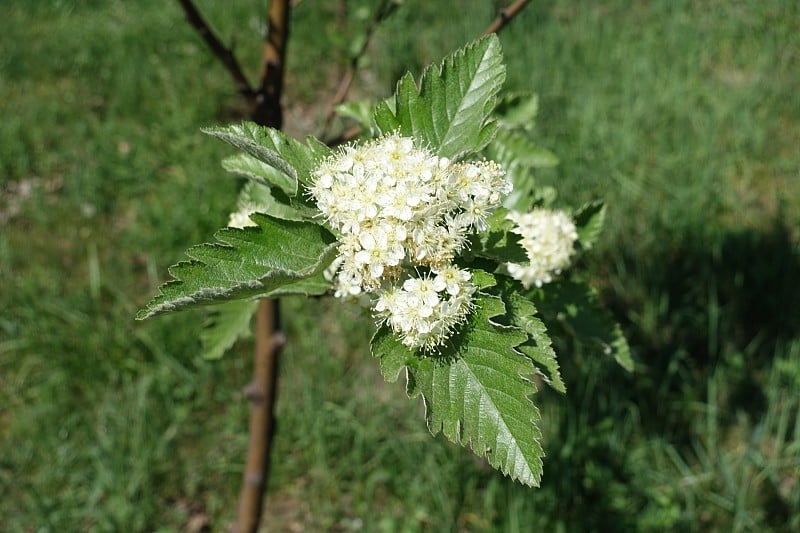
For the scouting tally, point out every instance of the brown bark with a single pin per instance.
(269, 338)
(261, 393)
(268, 99)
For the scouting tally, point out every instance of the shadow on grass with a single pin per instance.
(703, 302)
(695, 309)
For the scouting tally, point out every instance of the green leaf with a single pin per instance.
(517, 110)
(394, 356)
(519, 155)
(522, 313)
(482, 279)
(524, 194)
(360, 111)
(277, 257)
(515, 147)
(589, 221)
(576, 307)
(229, 322)
(477, 392)
(254, 169)
(295, 159)
(271, 202)
(498, 243)
(315, 285)
(450, 112)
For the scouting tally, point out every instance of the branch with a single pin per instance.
(269, 337)
(268, 98)
(383, 12)
(261, 394)
(504, 16)
(225, 55)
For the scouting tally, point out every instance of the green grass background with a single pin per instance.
(683, 115)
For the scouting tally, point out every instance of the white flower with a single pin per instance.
(425, 310)
(548, 238)
(451, 279)
(396, 208)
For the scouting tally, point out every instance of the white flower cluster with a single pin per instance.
(426, 310)
(548, 237)
(397, 208)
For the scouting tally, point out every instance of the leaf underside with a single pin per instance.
(260, 172)
(229, 322)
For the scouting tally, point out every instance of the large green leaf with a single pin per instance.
(478, 391)
(277, 257)
(450, 112)
(229, 322)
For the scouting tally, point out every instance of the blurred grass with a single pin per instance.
(684, 115)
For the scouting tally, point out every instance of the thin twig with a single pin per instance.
(382, 13)
(225, 55)
(504, 16)
(345, 137)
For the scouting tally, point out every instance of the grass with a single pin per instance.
(683, 115)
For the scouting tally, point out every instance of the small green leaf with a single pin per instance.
(229, 322)
(360, 111)
(254, 169)
(271, 202)
(519, 155)
(296, 160)
(477, 392)
(575, 307)
(515, 147)
(517, 110)
(589, 221)
(394, 355)
(274, 258)
(498, 243)
(451, 111)
(524, 194)
(482, 279)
